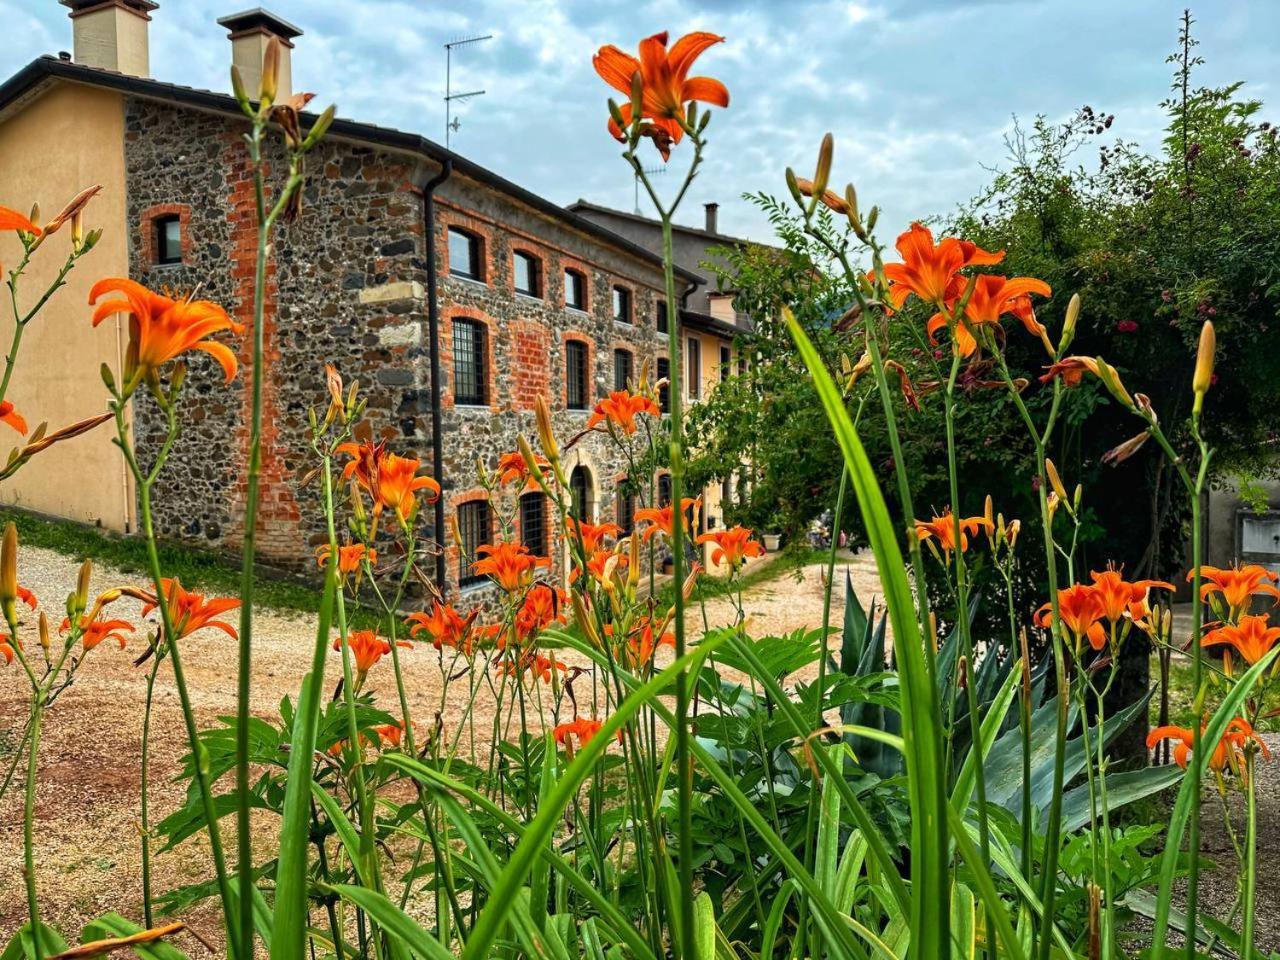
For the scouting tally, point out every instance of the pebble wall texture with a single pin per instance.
(347, 285)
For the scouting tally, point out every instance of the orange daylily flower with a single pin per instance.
(93, 632)
(581, 728)
(591, 534)
(539, 665)
(12, 417)
(931, 272)
(602, 565)
(619, 411)
(350, 556)
(1082, 612)
(543, 605)
(993, 296)
(390, 734)
(733, 546)
(660, 519)
(7, 648)
(1119, 597)
(13, 220)
(1236, 584)
(513, 468)
(445, 625)
(1226, 753)
(943, 528)
(1071, 370)
(511, 565)
(389, 479)
(367, 648)
(161, 328)
(190, 611)
(644, 639)
(28, 597)
(666, 82)
(1252, 637)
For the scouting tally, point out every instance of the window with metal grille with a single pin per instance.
(168, 239)
(575, 290)
(621, 369)
(575, 375)
(469, 386)
(664, 391)
(474, 525)
(528, 274)
(726, 363)
(533, 522)
(664, 490)
(662, 316)
(622, 304)
(464, 254)
(626, 510)
(580, 493)
(694, 375)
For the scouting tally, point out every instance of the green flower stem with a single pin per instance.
(1251, 851)
(145, 807)
(28, 822)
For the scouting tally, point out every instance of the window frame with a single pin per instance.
(581, 279)
(663, 372)
(542, 547)
(479, 351)
(622, 295)
(693, 368)
(726, 363)
(475, 258)
(574, 346)
(580, 508)
(618, 354)
(482, 529)
(626, 517)
(535, 274)
(160, 224)
(662, 318)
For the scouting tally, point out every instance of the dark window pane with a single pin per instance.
(473, 530)
(580, 492)
(575, 290)
(664, 392)
(575, 375)
(664, 490)
(726, 363)
(626, 511)
(694, 376)
(469, 384)
(622, 304)
(662, 316)
(621, 369)
(464, 254)
(526, 275)
(168, 240)
(533, 522)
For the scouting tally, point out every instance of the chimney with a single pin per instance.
(111, 34)
(250, 32)
(712, 209)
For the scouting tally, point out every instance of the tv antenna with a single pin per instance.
(648, 172)
(451, 123)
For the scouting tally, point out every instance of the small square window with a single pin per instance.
(464, 254)
(575, 290)
(168, 239)
(528, 279)
(622, 304)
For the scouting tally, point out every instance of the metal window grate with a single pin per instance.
(464, 254)
(469, 384)
(626, 511)
(664, 392)
(621, 369)
(575, 375)
(533, 522)
(168, 240)
(527, 274)
(474, 525)
(575, 290)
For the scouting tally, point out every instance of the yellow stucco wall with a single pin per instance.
(66, 139)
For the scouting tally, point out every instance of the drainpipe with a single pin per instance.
(433, 332)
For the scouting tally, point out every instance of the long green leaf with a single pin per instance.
(342, 826)
(393, 921)
(997, 910)
(962, 792)
(112, 925)
(921, 712)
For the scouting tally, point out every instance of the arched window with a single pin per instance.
(575, 290)
(470, 371)
(580, 491)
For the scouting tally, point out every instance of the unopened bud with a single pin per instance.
(1111, 380)
(822, 172)
(45, 643)
(1069, 324)
(1203, 376)
(270, 73)
(637, 96)
(794, 186)
(988, 515)
(9, 572)
(82, 586)
(1055, 481)
(546, 435)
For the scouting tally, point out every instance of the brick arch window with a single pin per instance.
(466, 254)
(533, 522)
(622, 305)
(164, 234)
(470, 362)
(526, 274)
(580, 492)
(623, 366)
(475, 524)
(577, 375)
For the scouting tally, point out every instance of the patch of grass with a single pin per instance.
(197, 569)
(1181, 713)
(788, 561)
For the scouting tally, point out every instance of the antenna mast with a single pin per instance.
(648, 172)
(451, 124)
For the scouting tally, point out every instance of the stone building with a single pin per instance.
(529, 298)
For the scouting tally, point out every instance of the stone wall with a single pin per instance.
(347, 286)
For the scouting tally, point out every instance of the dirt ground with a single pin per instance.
(88, 846)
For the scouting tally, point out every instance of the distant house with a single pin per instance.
(717, 336)
(531, 298)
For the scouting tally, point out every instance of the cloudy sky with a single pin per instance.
(919, 93)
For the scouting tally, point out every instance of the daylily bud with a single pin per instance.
(81, 596)
(1069, 324)
(1111, 380)
(1203, 376)
(584, 620)
(1011, 532)
(546, 435)
(794, 186)
(531, 461)
(77, 230)
(1122, 452)
(962, 673)
(320, 127)
(933, 628)
(872, 217)
(45, 643)
(108, 377)
(988, 514)
(1055, 481)
(637, 96)
(237, 88)
(633, 562)
(822, 173)
(1052, 502)
(270, 73)
(9, 573)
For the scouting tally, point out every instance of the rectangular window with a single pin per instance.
(575, 375)
(726, 363)
(622, 304)
(575, 290)
(464, 254)
(695, 368)
(662, 316)
(533, 522)
(664, 391)
(473, 530)
(626, 511)
(527, 274)
(469, 386)
(621, 369)
(168, 240)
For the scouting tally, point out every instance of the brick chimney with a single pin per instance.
(112, 34)
(712, 209)
(250, 32)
